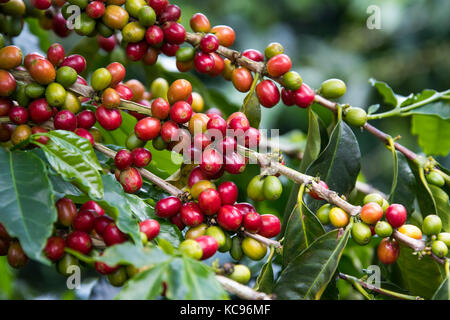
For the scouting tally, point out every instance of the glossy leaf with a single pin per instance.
(423, 193)
(433, 133)
(441, 200)
(265, 279)
(443, 292)
(385, 91)
(404, 190)
(27, 204)
(439, 109)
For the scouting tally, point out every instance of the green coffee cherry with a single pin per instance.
(432, 224)
(435, 179)
(81, 3)
(273, 49)
(373, 197)
(2, 41)
(253, 249)
(292, 80)
(385, 205)
(195, 232)
(228, 243)
(241, 274)
(236, 250)
(332, 88)
(323, 214)
(118, 277)
(356, 117)
(192, 249)
(361, 233)
(383, 229)
(55, 94)
(133, 32)
(159, 144)
(439, 248)
(185, 54)
(147, 16)
(159, 88)
(103, 30)
(272, 188)
(255, 189)
(65, 263)
(34, 90)
(66, 76)
(101, 79)
(21, 96)
(444, 237)
(86, 26)
(133, 142)
(132, 271)
(218, 234)
(133, 7)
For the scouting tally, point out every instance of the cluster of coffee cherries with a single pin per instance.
(262, 188)
(126, 163)
(216, 222)
(12, 13)
(12, 249)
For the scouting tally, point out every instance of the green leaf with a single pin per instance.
(251, 108)
(441, 200)
(404, 189)
(423, 193)
(307, 276)
(373, 108)
(433, 134)
(37, 30)
(74, 159)
(443, 292)
(27, 204)
(439, 109)
(420, 277)
(385, 91)
(265, 279)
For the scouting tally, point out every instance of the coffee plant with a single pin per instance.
(166, 189)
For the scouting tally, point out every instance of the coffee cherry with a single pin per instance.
(54, 249)
(211, 162)
(242, 79)
(169, 131)
(167, 207)
(200, 23)
(209, 246)
(170, 13)
(200, 186)
(16, 256)
(169, 50)
(41, 139)
(67, 211)
(373, 197)
(209, 202)
(229, 218)
(147, 128)
(255, 189)
(338, 217)
(6, 131)
(227, 145)
(112, 235)
(218, 234)
(83, 133)
(95, 9)
(371, 213)
(198, 123)
(42, 71)
(150, 227)
(225, 34)
(332, 88)
(241, 274)
(93, 206)
(254, 55)
(204, 62)
(209, 43)
(66, 76)
(56, 54)
(388, 251)
(273, 49)
(6, 105)
(304, 96)
(76, 62)
(361, 233)
(79, 241)
(103, 268)
(435, 178)
(253, 222)
(191, 215)
(445, 237)
(253, 249)
(117, 71)
(110, 98)
(41, 4)
(383, 229)
(146, 16)
(20, 134)
(100, 224)
(197, 231)
(84, 221)
(195, 176)
(179, 90)
(268, 93)
(10, 57)
(131, 180)
(314, 195)
(141, 157)
(154, 36)
(115, 17)
(279, 65)
(239, 124)
(65, 120)
(432, 224)
(160, 108)
(270, 226)
(123, 159)
(292, 80)
(323, 214)
(396, 215)
(158, 5)
(411, 231)
(181, 112)
(118, 277)
(29, 58)
(272, 188)
(7, 83)
(66, 264)
(217, 123)
(439, 248)
(136, 51)
(174, 33)
(356, 117)
(191, 248)
(18, 115)
(234, 163)
(55, 94)
(59, 25)
(236, 248)
(228, 192)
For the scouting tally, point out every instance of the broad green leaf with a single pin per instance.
(385, 91)
(443, 292)
(441, 200)
(433, 134)
(308, 275)
(439, 109)
(404, 190)
(423, 193)
(420, 277)
(265, 279)
(27, 204)
(74, 159)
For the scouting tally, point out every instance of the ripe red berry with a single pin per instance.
(396, 215)
(169, 131)
(176, 220)
(211, 162)
(107, 44)
(86, 119)
(109, 119)
(75, 61)
(209, 246)
(245, 207)
(79, 241)
(169, 49)
(54, 249)
(101, 223)
(278, 65)
(170, 13)
(270, 226)
(56, 54)
(85, 134)
(254, 55)
(287, 96)
(252, 222)
(191, 215)
(209, 201)
(227, 145)
(158, 5)
(117, 71)
(93, 206)
(136, 50)
(59, 25)
(228, 192)
(65, 120)
(147, 128)
(150, 227)
(388, 251)
(217, 123)
(234, 163)
(41, 4)
(229, 218)
(131, 180)
(123, 159)
(141, 157)
(268, 93)
(66, 211)
(181, 112)
(239, 124)
(18, 115)
(304, 96)
(204, 62)
(314, 195)
(124, 92)
(209, 43)
(168, 207)
(112, 235)
(105, 269)
(95, 9)
(195, 176)
(219, 65)
(174, 33)
(160, 108)
(252, 138)
(84, 221)
(6, 105)
(154, 36)
(201, 141)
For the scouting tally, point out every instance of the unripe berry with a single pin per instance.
(388, 251)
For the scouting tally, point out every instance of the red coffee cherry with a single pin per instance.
(7, 83)
(191, 215)
(123, 159)
(117, 71)
(42, 71)
(209, 246)
(18, 115)
(29, 58)
(209, 201)
(109, 119)
(200, 23)
(112, 235)
(228, 192)
(108, 44)
(371, 213)
(396, 215)
(217, 123)
(79, 241)
(41, 139)
(204, 62)
(219, 65)
(254, 55)
(66, 211)
(95, 9)
(388, 251)
(160, 108)
(174, 33)
(278, 65)
(84, 221)
(59, 25)
(304, 96)
(268, 93)
(245, 207)
(225, 34)
(56, 54)
(6, 105)
(86, 119)
(252, 137)
(234, 163)
(170, 50)
(141, 157)
(314, 195)
(195, 176)
(154, 36)
(41, 4)
(75, 61)
(229, 218)
(181, 112)
(176, 220)
(103, 268)
(169, 131)
(211, 162)
(287, 96)
(270, 226)
(101, 223)
(131, 180)
(239, 123)
(136, 50)
(242, 79)
(158, 5)
(170, 13)
(85, 134)
(252, 222)
(147, 128)
(93, 206)
(54, 249)
(124, 92)
(168, 207)
(209, 43)
(16, 256)
(65, 120)
(150, 227)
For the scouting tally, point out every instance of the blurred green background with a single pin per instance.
(325, 39)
